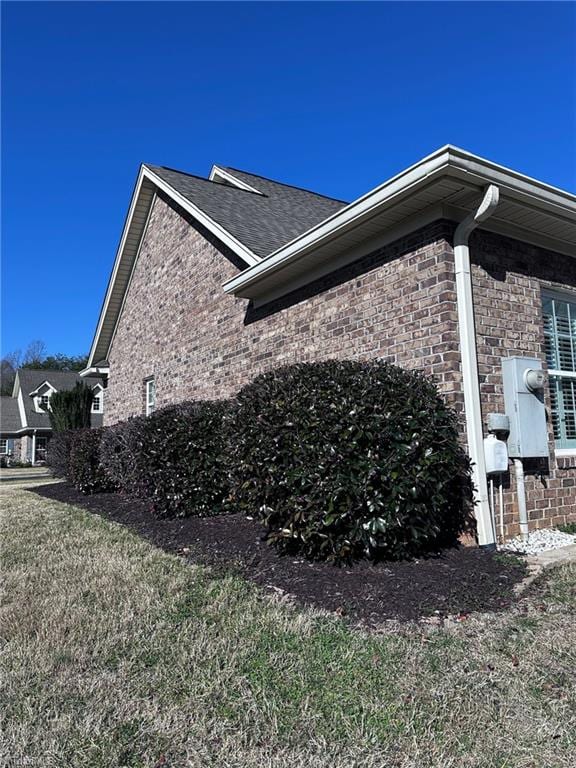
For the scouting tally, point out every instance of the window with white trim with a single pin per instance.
(3, 447)
(150, 396)
(560, 340)
(44, 402)
(97, 399)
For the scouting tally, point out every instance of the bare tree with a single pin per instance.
(9, 364)
(35, 354)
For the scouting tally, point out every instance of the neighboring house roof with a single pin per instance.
(9, 415)
(289, 237)
(20, 411)
(263, 220)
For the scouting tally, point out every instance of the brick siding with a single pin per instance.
(398, 304)
(508, 280)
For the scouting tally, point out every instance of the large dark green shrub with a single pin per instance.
(58, 453)
(175, 458)
(123, 455)
(70, 409)
(348, 459)
(86, 473)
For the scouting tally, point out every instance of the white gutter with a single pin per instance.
(470, 382)
(448, 160)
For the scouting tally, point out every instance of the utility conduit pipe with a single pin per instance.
(470, 382)
(521, 494)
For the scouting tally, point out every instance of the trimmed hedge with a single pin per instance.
(348, 459)
(58, 453)
(122, 455)
(85, 472)
(176, 458)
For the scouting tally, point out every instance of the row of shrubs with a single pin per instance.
(338, 460)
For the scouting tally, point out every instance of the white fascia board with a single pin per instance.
(344, 219)
(212, 226)
(94, 371)
(117, 261)
(510, 180)
(447, 160)
(22, 410)
(22, 432)
(145, 174)
(38, 388)
(231, 179)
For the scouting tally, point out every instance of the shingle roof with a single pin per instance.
(262, 222)
(9, 415)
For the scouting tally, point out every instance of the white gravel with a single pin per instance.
(540, 541)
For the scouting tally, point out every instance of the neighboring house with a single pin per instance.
(24, 422)
(219, 279)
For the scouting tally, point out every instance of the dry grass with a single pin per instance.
(116, 654)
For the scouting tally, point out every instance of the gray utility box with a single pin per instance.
(524, 382)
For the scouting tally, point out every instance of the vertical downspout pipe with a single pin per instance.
(469, 362)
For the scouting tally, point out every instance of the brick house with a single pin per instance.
(24, 422)
(448, 267)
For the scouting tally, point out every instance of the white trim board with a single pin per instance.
(231, 179)
(147, 183)
(447, 161)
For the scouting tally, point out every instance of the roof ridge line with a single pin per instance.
(283, 184)
(203, 178)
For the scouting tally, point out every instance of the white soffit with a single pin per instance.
(445, 184)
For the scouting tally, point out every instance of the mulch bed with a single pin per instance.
(458, 582)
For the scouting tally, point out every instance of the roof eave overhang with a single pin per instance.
(287, 267)
(94, 370)
(147, 184)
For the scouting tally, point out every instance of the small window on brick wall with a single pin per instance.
(150, 390)
(560, 339)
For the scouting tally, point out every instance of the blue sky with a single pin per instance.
(335, 97)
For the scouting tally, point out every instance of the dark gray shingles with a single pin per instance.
(262, 222)
(9, 416)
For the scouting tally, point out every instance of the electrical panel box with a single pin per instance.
(524, 382)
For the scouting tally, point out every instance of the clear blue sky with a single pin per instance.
(331, 96)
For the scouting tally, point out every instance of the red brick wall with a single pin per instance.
(398, 304)
(178, 324)
(508, 279)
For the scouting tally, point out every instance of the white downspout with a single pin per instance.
(470, 381)
(33, 457)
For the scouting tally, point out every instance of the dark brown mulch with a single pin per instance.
(458, 582)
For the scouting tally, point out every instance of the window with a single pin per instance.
(41, 445)
(3, 447)
(560, 340)
(44, 402)
(150, 396)
(97, 399)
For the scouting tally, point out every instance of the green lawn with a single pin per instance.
(116, 654)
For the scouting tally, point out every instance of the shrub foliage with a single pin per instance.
(85, 472)
(176, 458)
(187, 459)
(348, 459)
(58, 453)
(123, 455)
